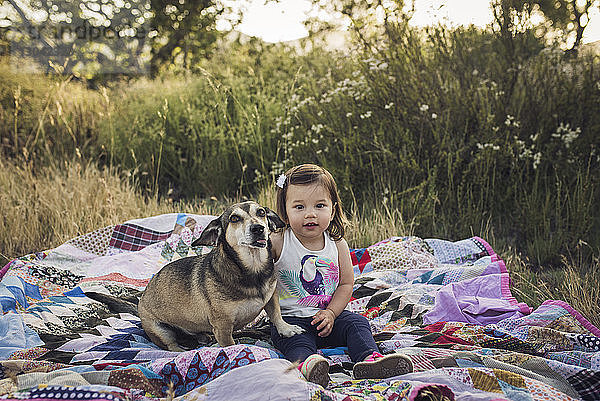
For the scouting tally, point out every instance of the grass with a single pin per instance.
(434, 127)
(44, 210)
(575, 282)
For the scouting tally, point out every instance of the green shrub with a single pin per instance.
(209, 133)
(460, 137)
(47, 118)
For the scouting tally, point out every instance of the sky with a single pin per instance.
(274, 22)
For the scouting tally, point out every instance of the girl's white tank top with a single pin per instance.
(306, 279)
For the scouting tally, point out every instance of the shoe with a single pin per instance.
(315, 369)
(378, 366)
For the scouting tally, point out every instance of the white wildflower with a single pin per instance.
(424, 107)
(566, 134)
(488, 146)
(537, 159)
(511, 122)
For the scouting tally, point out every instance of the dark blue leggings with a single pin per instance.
(349, 329)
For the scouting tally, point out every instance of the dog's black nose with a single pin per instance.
(257, 229)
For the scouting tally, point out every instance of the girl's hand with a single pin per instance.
(324, 320)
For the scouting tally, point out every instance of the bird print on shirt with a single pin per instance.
(314, 283)
(314, 286)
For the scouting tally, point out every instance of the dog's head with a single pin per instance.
(243, 224)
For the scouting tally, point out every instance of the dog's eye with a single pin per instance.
(260, 213)
(234, 218)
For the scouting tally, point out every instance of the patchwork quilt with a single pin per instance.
(446, 305)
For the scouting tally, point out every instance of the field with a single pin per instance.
(444, 134)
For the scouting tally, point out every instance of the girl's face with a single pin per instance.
(309, 210)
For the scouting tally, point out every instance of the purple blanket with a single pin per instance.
(480, 300)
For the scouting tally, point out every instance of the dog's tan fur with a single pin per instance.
(221, 291)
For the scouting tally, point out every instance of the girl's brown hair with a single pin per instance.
(306, 174)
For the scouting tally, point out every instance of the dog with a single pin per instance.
(220, 291)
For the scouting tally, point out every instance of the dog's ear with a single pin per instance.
(210, 234)
(274, 220)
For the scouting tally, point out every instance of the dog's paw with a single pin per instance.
(290, 330)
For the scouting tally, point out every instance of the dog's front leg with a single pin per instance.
(223, 331)
(274, 312)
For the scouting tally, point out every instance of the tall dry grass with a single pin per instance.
(575, 282)
(43, 210)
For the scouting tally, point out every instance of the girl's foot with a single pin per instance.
(378, 366)
(315, 369)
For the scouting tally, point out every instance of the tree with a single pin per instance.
(81, 37)
(369, 19)
(565, 20)
(185, 30)
(568, 17)
(125, 37)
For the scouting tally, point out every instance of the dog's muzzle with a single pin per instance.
(259, 239)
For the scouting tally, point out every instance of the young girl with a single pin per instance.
(315, 280)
